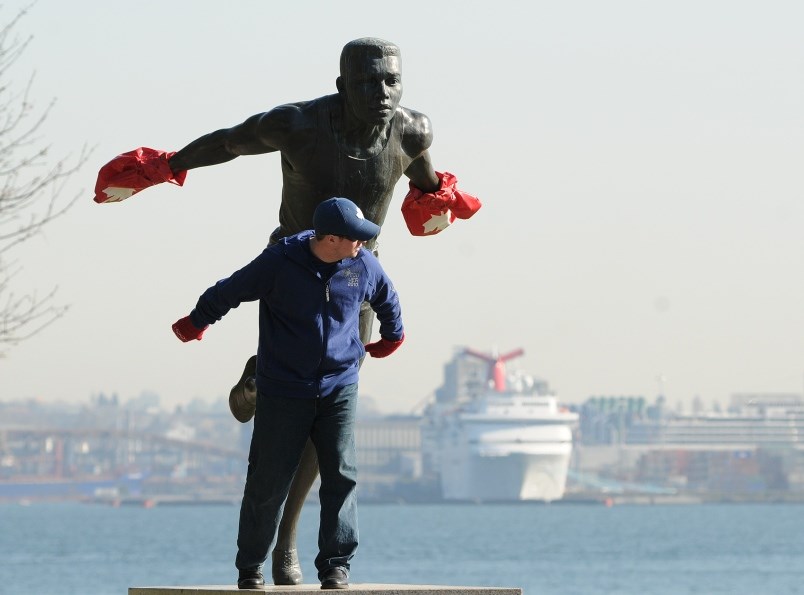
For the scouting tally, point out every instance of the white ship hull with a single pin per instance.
(505, 448)
(512, 477)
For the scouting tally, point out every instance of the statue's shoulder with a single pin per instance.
(417, 132)
(291, 123)
(299, 111)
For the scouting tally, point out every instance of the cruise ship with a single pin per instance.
(497, 436)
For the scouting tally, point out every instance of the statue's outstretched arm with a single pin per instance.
(422, 174)
(131, 172)
(252, 137)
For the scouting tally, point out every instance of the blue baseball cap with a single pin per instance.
(341, 217)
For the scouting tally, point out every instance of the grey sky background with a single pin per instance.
(640, 165)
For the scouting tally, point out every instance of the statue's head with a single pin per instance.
(366, 48)
(370, 81)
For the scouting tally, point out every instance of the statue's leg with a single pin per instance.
(366, 321)
(286, 569)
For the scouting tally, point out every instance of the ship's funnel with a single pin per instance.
(497, 367)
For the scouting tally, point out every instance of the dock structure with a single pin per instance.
(315, 589)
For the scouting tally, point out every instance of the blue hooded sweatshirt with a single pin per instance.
(309, 343)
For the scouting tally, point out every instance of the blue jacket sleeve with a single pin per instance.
(384, 301)
(249, 284)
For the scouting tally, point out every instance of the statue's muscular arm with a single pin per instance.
(416, 141)
(276, 130)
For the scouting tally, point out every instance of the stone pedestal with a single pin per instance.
(354, 589)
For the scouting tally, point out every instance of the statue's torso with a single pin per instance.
(324, 169)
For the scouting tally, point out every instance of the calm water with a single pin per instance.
(559, 549)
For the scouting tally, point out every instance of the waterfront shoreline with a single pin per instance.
(573, 499)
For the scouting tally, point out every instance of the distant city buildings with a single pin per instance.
(752, 449)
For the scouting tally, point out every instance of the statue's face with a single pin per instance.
(373, 88)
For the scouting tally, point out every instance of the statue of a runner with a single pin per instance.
(357, 144)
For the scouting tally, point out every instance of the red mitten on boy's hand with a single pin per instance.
(383, 347)
(185, 330)
(128, 173)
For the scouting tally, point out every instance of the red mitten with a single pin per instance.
(185, 330)
(128, 173)
(427, 213)
(383, 347)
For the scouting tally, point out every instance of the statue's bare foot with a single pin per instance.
(286, 569)
(243, 396)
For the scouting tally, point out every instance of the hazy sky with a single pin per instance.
(640, 165)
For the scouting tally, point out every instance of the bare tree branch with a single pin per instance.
(31, 192)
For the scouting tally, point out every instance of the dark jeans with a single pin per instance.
(281, 428)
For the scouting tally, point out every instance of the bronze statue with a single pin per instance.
(357, 144)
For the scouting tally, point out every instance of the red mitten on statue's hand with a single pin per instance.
(185, 330)
(128, 173)
(383, 347)
(427, 213)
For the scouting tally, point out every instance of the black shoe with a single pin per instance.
(286, 569)
(243, 396)
(250, 579)
(334, 578)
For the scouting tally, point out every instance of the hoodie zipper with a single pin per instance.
(325, 333)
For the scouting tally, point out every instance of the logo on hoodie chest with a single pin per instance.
(352, 277)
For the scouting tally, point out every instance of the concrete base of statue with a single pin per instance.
(315, 589)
